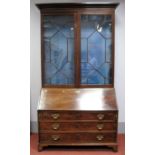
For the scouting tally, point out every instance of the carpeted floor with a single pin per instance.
(75, 150)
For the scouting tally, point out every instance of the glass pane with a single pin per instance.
(96, 49)
(58, 39)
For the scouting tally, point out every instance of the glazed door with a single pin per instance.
(96, 50)
(58, 46)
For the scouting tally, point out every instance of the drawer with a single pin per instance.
(61, 138)
(77, 115)
(77, 126)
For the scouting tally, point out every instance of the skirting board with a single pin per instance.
(34, 127)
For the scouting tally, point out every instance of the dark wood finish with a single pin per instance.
(78, 99)
(113, 47)
(77, 5)
(74, 86)
(42, 49)
(74, 116)
(94, 11)
(77, 126)
(40, 147)
(82, 137)
(115, 148)
(77, 50)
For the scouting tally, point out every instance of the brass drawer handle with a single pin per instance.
(55, 116)
(55, 137)
(55, 126)
(100, 137)
(100, 116)
(100, 126)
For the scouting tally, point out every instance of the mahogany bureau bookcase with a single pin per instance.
(77, 106)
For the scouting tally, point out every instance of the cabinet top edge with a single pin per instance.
(77, 5)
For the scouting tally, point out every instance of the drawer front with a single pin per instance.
(77, 126)
(70, 115)
(61, 138)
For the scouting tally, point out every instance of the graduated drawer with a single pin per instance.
(77, 126)
(84, 137)
(76, 115)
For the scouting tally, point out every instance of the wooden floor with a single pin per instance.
(76, 150)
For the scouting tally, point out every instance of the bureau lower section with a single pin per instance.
(58, 128)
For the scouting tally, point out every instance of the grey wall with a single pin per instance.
(35, 67)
